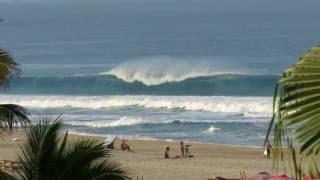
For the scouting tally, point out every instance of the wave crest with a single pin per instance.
(255, 106)
(211, 130)
(163, 69)
(124, 121)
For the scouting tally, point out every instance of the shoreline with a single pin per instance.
(147, 158)
(161, 140)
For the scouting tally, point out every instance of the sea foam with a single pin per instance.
(211, 130)
(251, 106)
(124, 121)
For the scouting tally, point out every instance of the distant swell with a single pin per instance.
(223, 84)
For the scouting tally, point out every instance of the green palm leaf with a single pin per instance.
(298, 104)
(10, 114)
(8, 68)
(46, 155)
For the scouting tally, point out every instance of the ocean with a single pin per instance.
(201, 71)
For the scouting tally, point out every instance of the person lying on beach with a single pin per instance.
(124, 146)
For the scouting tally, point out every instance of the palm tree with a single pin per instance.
(10, 114)
(47, 156)
(296, 109)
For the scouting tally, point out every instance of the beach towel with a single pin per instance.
(265, 152)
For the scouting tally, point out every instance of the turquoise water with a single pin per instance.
(199, 71)
(247, 85)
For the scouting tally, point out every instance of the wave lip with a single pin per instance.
(158, 70)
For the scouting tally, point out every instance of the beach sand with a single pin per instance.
(147, 159)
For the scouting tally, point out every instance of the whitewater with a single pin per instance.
(146, 99)
(112, 68)
(242, 105)
(195, 118)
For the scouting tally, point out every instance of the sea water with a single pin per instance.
(189, 70)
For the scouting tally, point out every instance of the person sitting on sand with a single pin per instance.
(124, 146)
(166, 153)
(182, 149)
(187, 152)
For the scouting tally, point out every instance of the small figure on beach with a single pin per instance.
(166, 153)
(267, 150)
(124, 146)
(187, 152)
(182, 149)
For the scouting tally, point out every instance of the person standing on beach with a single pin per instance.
(166, 153)
(268, 149)
(182, 149)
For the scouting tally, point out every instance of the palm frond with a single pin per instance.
(7, 176)
(46, 155)
(297, 107)
(299, 99)
(8, 68)
(12, 115)
(111, 170)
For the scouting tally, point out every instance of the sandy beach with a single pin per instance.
(147, 159)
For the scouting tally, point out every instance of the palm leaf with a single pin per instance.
(46, 155)
(8, 68)
(12, 115)
(7, 176)
(298, 99)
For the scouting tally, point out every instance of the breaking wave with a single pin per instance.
(124, 121)
(159, 70)
(252, 106)
(211, 130)
(131, 121)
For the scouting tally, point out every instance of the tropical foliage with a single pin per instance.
(296, 109)
(46, 155)
(10, 114)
